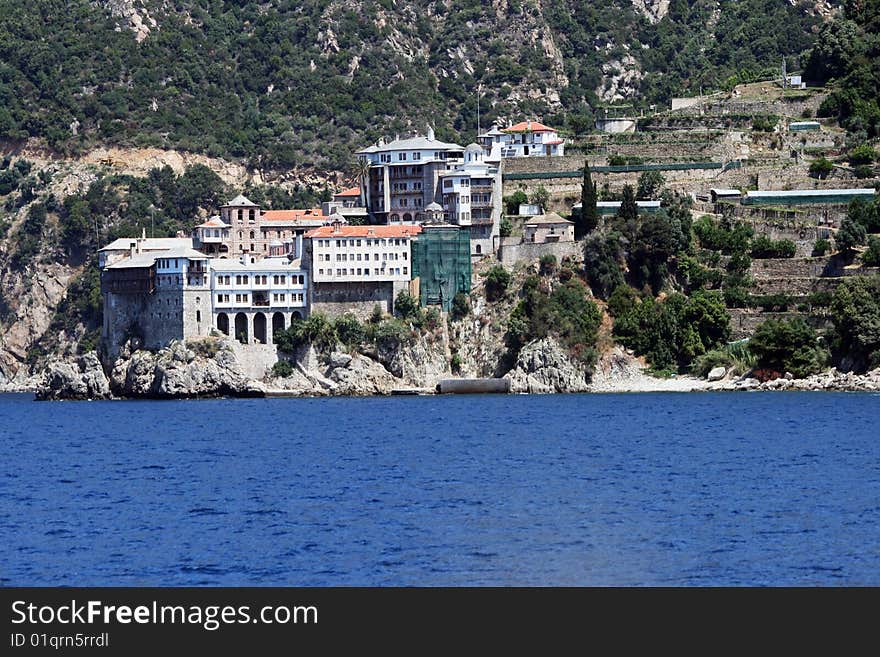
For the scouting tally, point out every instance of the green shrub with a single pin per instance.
(850, 235)
(461, 306)
(764, 247)
(497, 280)
(505, 228)
(765, 122)
(349, 330)
(862, 154)
(871, 257)
(455, 363)
(820, 168)
(821, 247)
(622, 300)
(778, 302)
(788, 345)
(282, 369)
(406, 306)
(547, 264)
(602, 257)
(736, 358)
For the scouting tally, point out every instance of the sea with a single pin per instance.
(665, 489)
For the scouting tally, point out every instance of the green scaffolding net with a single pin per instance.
(442, 263)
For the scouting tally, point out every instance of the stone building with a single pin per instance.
(403, 176)
(155, 297)
(548, 228)
(252, 230)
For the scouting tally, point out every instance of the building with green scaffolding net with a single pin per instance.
(441, 263)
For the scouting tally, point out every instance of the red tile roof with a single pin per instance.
(555, 142)
(365, 231)
(354, 191)
(294, 215)
(523, 126)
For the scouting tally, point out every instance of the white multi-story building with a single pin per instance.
(251, 301)
(524, 139)
(403, 176)
(158, 295)
(472, 197)
(354, 268)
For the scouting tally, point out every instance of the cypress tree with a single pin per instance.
(589, 218)
(628, 211)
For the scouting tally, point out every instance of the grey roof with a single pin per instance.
(138, 261)
(433, 207)
(473, 147)
(725, 192)
(810, 192)
(149, 244)
(240, 200)
(549, 218)
(616, 204)
(412, 144)
(185, 252)
(266, 264)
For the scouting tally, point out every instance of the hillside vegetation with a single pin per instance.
(302, 84)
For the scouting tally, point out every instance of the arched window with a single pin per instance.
(240, 234)
(407, 217)
(251, 216)
(252, 234)
(395, 217)
(479, 249)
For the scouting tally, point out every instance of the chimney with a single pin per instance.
(243, 258)
(529, 124)
(132, 249)
(431, 133)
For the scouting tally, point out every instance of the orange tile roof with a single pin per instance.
(353, 191)
(523, 126)
(365, 231)
(294, 215)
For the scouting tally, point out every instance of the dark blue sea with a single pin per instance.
(641, 489)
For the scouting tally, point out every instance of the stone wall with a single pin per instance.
(512, 251)
(336, 299)
(744, 321)
(255, 360)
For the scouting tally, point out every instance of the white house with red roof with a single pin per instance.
(524, 139)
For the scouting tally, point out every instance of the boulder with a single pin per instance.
(81, 379)
(717, 373)
(544, 367)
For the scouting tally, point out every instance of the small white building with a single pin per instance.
(524, 139)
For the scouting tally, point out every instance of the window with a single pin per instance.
(376, 272)
(240, 217)
(251, 216)
(321, 272)
(401, 157)
(358, 256)
(198, 315)
(404, 255)
(252, 234)
(357, 243)
(417, 155)
(252, 248)
(375, 256)
(404, 270)
(359, 271)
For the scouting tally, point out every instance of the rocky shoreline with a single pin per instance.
(183, 371)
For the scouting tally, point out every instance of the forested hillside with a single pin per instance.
(300, 84)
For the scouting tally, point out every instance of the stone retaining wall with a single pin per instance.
(509, 254)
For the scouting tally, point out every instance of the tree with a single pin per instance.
(855, 311)
(406, 306)
(788, 345)
(497, 280)
(512, 202)
(649, 185)
(821, 168)
(588, 218)
(628, 210)
(602, 257)
(541, 198)
(871, 257)
(850, 235)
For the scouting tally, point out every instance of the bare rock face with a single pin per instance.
(81, 379)
(361, 376)
(544, 367)
(179, 372)
(421, 363)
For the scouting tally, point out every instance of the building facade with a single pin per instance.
(354, 268)
(524, 139)
(403, 177)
